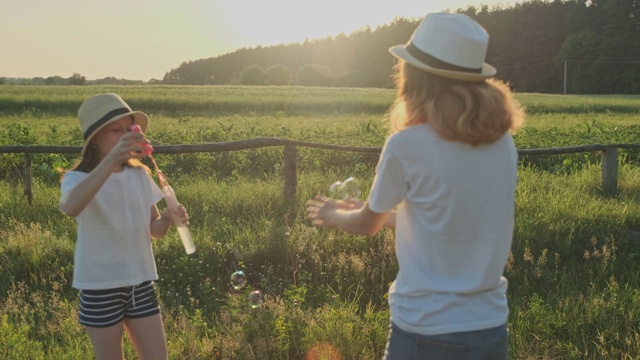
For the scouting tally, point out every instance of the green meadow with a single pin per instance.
(574, 284)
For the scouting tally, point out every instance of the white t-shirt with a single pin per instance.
(454, 225)
(114, 236)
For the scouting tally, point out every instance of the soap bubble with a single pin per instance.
(351, 188)
(348, 189)
(335, 188)
(238, 280)
(256, 299)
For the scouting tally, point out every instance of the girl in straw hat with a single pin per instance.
(445, 181)
(113, 198)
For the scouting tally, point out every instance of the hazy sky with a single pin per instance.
(143, 39)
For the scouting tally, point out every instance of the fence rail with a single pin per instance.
(609, 156)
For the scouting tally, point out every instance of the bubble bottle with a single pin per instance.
(171, 200)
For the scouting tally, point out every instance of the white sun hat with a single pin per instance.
(448, 45)
(100, 110)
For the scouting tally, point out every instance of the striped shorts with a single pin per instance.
(104, 308)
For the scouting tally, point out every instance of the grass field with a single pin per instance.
(573, 274)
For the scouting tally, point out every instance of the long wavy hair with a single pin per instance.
(470, 112)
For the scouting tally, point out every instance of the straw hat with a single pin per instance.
(448, 45)
(100, 110)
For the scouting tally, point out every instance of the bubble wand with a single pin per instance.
(170, 198)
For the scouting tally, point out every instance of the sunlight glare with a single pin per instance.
(284, 21)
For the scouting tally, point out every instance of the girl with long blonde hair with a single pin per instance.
(445, 182)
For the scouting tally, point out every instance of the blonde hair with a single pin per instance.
(470, 112)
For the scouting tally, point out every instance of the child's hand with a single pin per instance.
(182, 215)
(320, 210)
(129, 146)
(350, 204)
(148, 149)
(170, 218)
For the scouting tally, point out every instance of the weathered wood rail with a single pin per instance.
(609, 156)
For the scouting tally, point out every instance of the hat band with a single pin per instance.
(438, 64)
(110, 115)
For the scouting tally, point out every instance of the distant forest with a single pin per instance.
(571, 46)
(529, 44)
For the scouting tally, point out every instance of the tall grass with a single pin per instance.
(573, 268)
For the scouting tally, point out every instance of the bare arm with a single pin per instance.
(391, 220)
(160, 221)
(354, 204)
(78, 198)
(325, 212)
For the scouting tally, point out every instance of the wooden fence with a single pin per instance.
(609, 156)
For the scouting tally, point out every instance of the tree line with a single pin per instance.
(558, 46)
(74, 79)
(574, 46)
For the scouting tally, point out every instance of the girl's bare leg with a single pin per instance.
(147, 336)
(107, 342)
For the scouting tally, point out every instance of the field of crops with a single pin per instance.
(573, 274)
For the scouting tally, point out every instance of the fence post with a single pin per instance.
(610, 171)
(28, 190)
(290, 172)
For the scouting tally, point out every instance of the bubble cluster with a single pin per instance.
(239, 281)
(348, 189)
